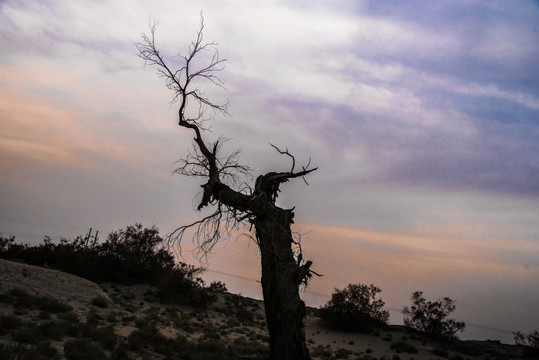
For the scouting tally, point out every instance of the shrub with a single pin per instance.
(20, 299)
(28, 334)
(5, 244)
(103, 335)
(119, 353)
(440, 351)
(342, 353)
(355, 308)
(150, 336)
(183, 286)
(54, 330)
(431, 318)
(8, 323)
(100, 301)
(52, 305)
(69, 316)
(530, 341)
(83, 349)
(321, 351)
(132, 255)
(242, 347)
(42, 351)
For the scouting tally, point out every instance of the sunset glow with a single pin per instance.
(422, 117)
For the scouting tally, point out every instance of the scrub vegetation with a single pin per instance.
(132, 319)
(432, 317)
(355, 308)
(234, 202)
(132, 255)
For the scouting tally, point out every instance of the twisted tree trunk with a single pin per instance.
(282, 271)
(285, 311)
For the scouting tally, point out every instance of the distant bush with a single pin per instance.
(8, 323)
(530, 341)
(100, 301)
(355, 308)
(103, 335)
(20, 299)
(83, 349)
(135, 254)
(403, 346)
(441, 351)
(28, 334)
(132, 255)
(5, 244)
(42, 351)
(431, 318)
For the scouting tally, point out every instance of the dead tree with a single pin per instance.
(235, 205)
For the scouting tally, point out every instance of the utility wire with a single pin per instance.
(484, 327)
(468, 305)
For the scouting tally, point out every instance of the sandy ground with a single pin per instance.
(79, 293)
(40, 281)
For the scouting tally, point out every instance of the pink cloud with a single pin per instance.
(397, 262)
(49, 131)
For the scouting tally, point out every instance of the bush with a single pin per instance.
(132, 255)
(5, 244)
(54, 330)
(52, 305)
(20, 299)
(135, 254)
(42, 351)
(100, 301)
(431, 318)
(103, 335)
(151, 336)
(83, 349)
(402, 346)
(355, 308)
(28, 334)
(440, 351)
(342, 353)
(530, 341)
(8, 323)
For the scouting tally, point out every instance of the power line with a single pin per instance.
(485, 327)
(232, 275)
(474, 325)
(482, 307)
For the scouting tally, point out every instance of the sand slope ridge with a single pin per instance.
(41, 281)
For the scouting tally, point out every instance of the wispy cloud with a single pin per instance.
(422, 118)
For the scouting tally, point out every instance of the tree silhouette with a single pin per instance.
(432, 317)
(355, 308)
(234, 204)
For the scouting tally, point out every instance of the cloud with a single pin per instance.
(420, 116)
(36, 130)
(389, 86)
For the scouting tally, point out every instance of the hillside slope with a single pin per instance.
(48, 314)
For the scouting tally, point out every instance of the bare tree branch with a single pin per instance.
(286, 153)
(181, 80)
(234, 203)
(268, 184)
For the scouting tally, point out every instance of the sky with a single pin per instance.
(423, 118)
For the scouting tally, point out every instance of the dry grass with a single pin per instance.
(52, 315)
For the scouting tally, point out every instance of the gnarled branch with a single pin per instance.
(269, 183)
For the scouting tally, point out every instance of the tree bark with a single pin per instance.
(285, 311)
(282, 273)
